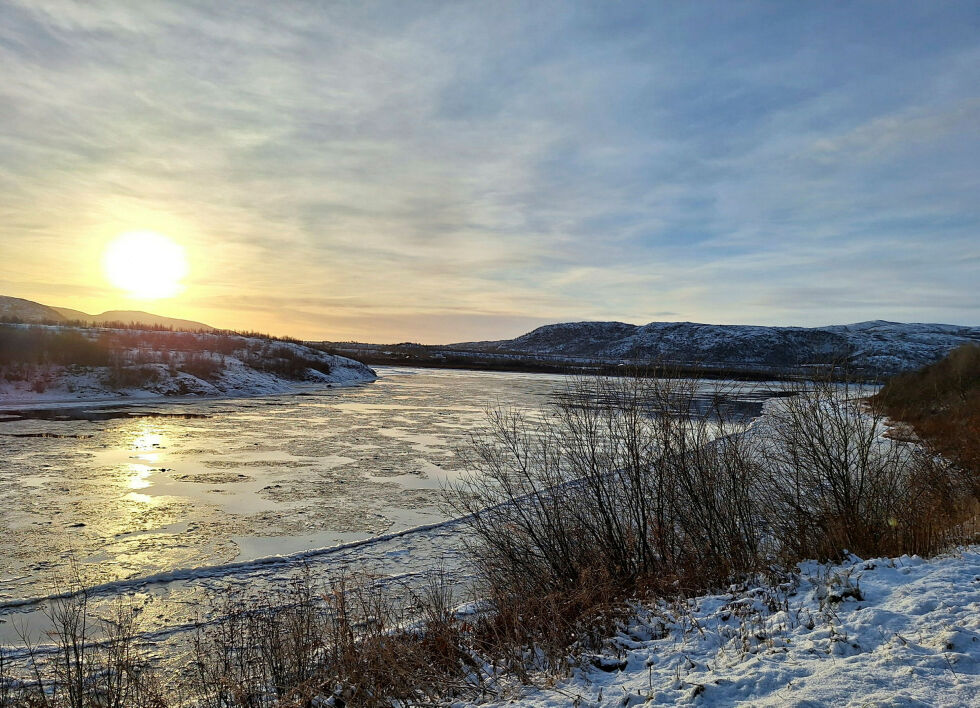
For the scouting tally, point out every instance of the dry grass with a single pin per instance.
(96, 662)
(351, 639)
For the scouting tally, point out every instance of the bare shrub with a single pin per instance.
(95, 662)
(202, 365)
(352, 640)
(6, 680)
(833, 480)
(282, 360)
(629, 484)
(123, 375)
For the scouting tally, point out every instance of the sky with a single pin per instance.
(454, 171)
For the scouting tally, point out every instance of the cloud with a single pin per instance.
(402, 165)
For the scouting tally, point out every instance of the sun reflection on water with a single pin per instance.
(138, 476)
(145, 443)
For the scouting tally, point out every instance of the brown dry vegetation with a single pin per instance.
(942, 404)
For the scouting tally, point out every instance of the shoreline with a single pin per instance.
(569, 367)
(40, 402)
(123, 399)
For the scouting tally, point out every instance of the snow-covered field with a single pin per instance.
(883, 632)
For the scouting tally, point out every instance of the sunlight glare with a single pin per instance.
(145, 264)
(139, 475)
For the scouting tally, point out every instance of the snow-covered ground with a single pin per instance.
(165, 356)
(883, 632)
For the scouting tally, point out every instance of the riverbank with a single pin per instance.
(44, 364)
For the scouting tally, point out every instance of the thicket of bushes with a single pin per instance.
(350, 641)
(833, 477)
(282, 360)
(37, 346)
(642, 485)
(629, 488)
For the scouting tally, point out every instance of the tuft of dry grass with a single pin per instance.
(351, 640)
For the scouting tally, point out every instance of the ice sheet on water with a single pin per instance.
(179, 506)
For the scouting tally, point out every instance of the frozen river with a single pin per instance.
(167, 502)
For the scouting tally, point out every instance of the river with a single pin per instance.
(171, 502)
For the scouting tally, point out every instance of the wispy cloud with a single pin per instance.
(452, 171)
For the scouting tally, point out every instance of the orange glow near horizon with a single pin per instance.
(146, 265)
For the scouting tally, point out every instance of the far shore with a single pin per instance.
(137, 398)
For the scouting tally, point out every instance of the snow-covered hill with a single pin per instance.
(54, 363)
(901, 631)
(876, 347)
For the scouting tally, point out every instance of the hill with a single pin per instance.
(16, 308)
(139, 317)
(59, 363)
(877, 347)
(19, 309)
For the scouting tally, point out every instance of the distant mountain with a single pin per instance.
(127, 316)
(876, 347)
(30, 311)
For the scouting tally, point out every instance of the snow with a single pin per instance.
(903, 631)
(237, 378)
(874, 348)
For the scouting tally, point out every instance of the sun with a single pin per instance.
(147, 265)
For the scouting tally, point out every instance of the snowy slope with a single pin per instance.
(872, 347)
(170, 363)
(27, 310)
(899, 631)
